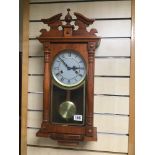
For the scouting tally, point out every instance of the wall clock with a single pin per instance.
(68, 85)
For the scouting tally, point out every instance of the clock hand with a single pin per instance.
(64, 63)
(74, 68)
(69, 68)
(79, 68)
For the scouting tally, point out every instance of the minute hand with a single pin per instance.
(64, 62)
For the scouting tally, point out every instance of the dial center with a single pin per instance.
(69, 71)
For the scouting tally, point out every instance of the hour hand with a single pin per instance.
(74, 68)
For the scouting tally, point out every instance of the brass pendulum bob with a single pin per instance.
(67, 109)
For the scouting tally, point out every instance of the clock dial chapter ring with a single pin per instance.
(68, 72)
(67, 110)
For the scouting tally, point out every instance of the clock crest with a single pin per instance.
(68, 98)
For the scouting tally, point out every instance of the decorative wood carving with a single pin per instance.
(81, 22)
(90, 89)
(60, 37)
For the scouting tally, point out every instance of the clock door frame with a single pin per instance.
(57, 48)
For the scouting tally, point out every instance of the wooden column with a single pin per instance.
(90, 89)
(46, 84)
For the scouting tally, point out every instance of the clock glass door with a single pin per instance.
(68, 89)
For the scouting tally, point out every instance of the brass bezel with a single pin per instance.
(67, 86)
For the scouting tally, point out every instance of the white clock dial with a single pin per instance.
(68, 69)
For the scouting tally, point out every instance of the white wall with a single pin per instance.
(111, 80)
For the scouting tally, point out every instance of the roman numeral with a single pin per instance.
(75, 79)
(58, 61)
(69, 54)
(57, 74)
(56, 68)
(63, 56)
(80, 75)
(62, 79)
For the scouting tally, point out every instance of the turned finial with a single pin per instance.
(68, 17)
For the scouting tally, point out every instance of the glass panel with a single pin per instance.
(68, 109)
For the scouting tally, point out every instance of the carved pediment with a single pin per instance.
(58, 29)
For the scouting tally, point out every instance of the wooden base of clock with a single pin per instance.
(69, 139)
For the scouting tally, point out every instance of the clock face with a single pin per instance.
(68, 69)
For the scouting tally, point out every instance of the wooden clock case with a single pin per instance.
(54, 41)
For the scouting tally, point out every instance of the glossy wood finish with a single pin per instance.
(84, 42)
(90, 90)
(46, 85)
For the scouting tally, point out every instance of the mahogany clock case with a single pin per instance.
(55, 41)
